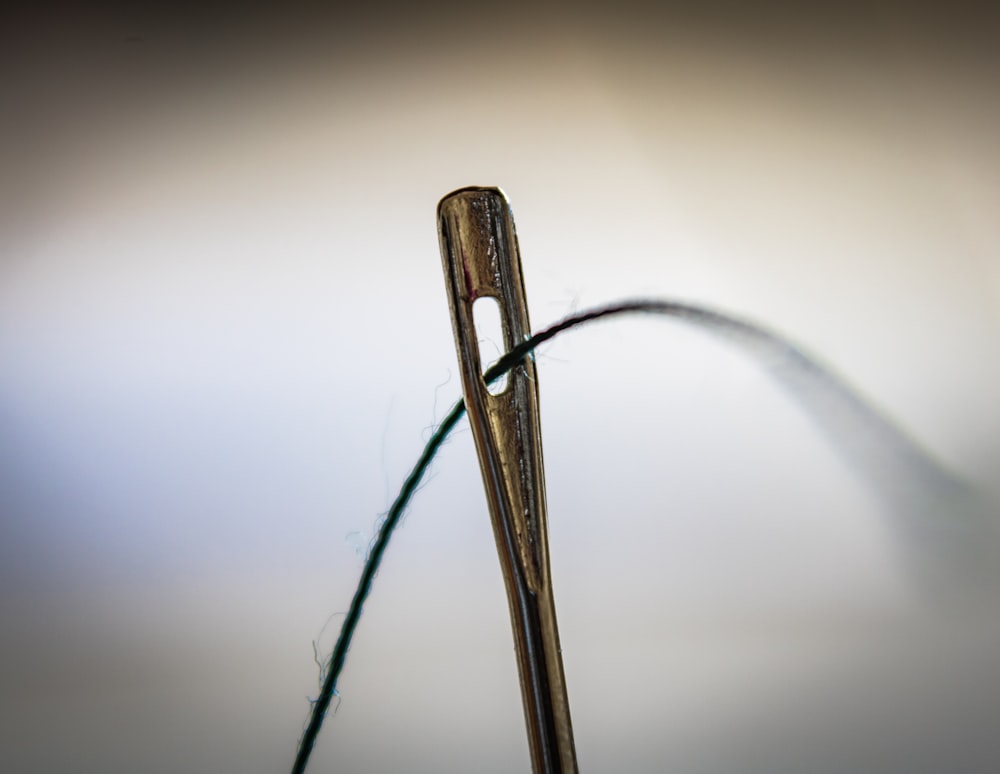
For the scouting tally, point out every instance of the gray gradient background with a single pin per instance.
(222, 321)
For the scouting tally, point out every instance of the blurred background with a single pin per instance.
(224, 339)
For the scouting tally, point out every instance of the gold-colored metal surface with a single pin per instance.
(481, 259)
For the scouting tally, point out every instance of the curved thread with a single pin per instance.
(879, 450)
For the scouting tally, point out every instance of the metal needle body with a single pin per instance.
(481, 259)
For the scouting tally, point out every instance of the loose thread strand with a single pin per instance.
(339, 655)
(875, 446)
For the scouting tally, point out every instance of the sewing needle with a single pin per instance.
(481, 259)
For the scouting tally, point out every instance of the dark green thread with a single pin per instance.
(876, 447)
